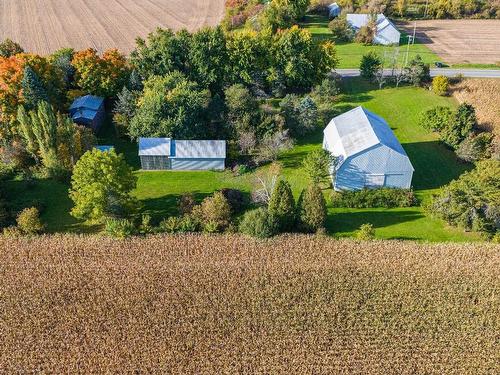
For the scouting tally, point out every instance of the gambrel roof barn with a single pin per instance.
(369, 154)
(386, 33)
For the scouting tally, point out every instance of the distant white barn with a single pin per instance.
(369, 154)
(166, 154)
(334, 10)
(386, 33)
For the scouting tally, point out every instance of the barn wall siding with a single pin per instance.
(197, 164)
(378, 160)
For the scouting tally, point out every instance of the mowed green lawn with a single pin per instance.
(350, 53)
(435, 166)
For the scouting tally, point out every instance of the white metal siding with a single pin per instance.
(198, 164)
(399, 180)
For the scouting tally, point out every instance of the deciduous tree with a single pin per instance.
(101, 185)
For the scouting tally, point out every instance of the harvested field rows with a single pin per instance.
(460, 41)
(484, 95)
(227, 304)
(43, 26)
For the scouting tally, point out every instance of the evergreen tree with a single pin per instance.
(312, 209)
(33, 89)
(308, 114)
(370, 63)
(282, 206)
(135, 81)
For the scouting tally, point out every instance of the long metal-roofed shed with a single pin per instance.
(88, 111)
(187, 155)
(369, 154)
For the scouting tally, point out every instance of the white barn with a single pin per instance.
(182, 155)
(386, 33)
(369, 154)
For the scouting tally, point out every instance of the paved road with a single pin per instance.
(472, 73)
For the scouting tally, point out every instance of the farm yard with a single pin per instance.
(435, 166)
(350, 53)
(44, 26)
(228, 304)
(460, 42)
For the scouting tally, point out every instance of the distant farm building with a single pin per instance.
(104, 148)
(386, 32)
(169, 154)
(369, 154)
(334, 10)
(88, 111)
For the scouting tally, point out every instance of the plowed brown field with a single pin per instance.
(460, 41)
(43, 26)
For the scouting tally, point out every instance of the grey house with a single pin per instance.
(88, 111)
(182, 155)
(369, 154)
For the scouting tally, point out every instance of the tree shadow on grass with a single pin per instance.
(350, 221)
(168, 205)
(107, 136)
(51, 197)
(435, 165)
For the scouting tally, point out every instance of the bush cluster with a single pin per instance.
(373, 198)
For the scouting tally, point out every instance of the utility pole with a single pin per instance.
(408, 49)
(414, 32)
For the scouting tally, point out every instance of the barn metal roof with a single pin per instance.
(154, 147)
(182, 149)
(358, 130)
(199, 149)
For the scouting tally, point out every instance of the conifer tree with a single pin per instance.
(312, 209)
(282, 206)
(33, 89)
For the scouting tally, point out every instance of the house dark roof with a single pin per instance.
(86, 107)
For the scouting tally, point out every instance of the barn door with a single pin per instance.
(374, 180)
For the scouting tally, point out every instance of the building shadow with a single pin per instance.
(435, 165)
(350, 221)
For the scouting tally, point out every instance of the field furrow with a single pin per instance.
(43, 26)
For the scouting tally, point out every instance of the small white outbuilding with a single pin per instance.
(187, 155)
(386, 33)
(367, 151)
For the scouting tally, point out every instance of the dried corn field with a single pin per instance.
(43, 26)
(484, 95)
(198, 304)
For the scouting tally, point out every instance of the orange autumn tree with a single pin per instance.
(103, 76)
(11, 93)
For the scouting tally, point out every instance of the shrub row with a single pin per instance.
(385, 197)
